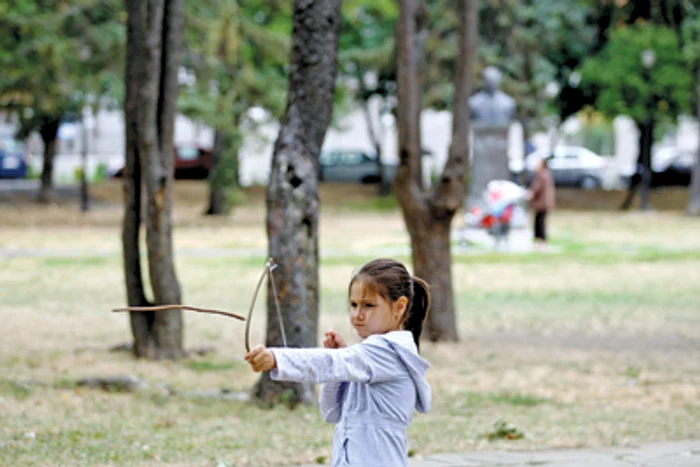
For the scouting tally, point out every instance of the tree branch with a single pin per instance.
(179, 307)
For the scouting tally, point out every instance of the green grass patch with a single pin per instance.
(207, 365)
(375, 204)
(82, 261)
(503, 398)
(15, 389)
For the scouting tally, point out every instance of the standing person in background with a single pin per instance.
(542, 199)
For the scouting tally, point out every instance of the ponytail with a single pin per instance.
(419, 307)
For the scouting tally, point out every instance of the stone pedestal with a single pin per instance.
(489, 159)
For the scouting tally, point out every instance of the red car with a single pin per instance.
(191, 163)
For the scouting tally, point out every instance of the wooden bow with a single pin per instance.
(269, 267)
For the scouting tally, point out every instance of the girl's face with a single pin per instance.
(371, 314)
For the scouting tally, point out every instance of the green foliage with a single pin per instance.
(596, 133)
(238, 54)
(691, 33)
(533, 43)
(366, 56)
(622, 84)
(58, 56)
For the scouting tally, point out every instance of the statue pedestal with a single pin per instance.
(489, 159)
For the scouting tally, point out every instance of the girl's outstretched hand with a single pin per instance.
(332, 340)
(261, 359)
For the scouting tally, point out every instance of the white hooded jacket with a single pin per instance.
(370, 391)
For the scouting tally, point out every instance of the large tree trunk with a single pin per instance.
(154, 32)
(428, 215)
(49, 136)
(292, 194)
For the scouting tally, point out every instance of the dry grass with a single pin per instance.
(594, 345)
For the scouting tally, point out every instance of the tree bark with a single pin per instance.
(224, 173)
(428, 215)
(49, 136)
(217, 192)
(693, 208)
(643, 167)
(154, 34)
(292, 194)
(384, 187)
(84, 189)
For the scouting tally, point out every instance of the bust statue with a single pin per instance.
(490, 105)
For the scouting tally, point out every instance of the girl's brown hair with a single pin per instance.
(391, 280)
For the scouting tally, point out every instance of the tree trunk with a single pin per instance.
(428, 215)
(217, 192)
(292, 194)
(645, 187)
(154, 32)
(49, 135)
(384, 187)
(84, 190)
(693, 208)
(636, 178)
(223, 176)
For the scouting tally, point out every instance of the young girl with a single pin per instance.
(370, 389)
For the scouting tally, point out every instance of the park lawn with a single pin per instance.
(594, 343)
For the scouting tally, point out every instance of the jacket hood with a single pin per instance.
(402, 342)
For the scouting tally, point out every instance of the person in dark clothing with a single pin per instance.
(542, 199)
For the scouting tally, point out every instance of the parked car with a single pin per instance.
(570, 166)
(352, 166)
(672, 166)
(191, 163)
(13, 158)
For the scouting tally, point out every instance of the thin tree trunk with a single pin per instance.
(84, 190)
(428, 215)
(645, 188)
(384, 187)
(141, 323)
(636, 178)
(49, 136)
(217, 191)
(292, 194)
(693, 208)
(154, 37)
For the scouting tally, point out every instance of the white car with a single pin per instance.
(570, 166)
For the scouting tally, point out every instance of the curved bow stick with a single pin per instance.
(180, 307)
(269, 267)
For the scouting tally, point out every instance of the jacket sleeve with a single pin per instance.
(372, 361)
(330, 401)
(537, 184)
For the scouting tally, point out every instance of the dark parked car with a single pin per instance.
(13, 158)
(352, 166)
(672, 166)
(191, 163)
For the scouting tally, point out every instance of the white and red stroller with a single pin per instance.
(496, 211)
